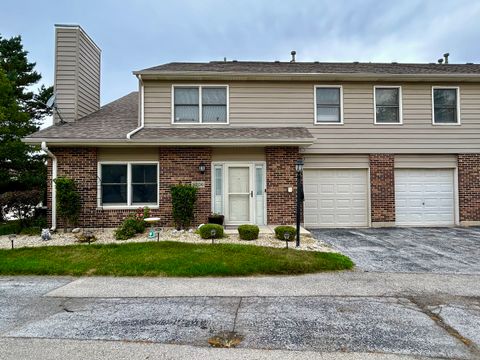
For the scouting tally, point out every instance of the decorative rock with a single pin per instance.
(46, 234)
(76, 230)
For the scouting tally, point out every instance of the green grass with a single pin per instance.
(166, 258)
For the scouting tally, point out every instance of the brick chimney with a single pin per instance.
(77, 73)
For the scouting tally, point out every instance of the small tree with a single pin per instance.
(184, 198)
(68, 201)
(20, 203)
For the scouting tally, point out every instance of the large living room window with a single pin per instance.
(200, 104)
(328, 104)
(446, 105)
(124, 184)
(388, 104)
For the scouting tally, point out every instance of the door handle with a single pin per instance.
(251, 193)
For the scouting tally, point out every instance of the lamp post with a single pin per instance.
(299, 171)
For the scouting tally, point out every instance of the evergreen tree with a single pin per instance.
(21, 165)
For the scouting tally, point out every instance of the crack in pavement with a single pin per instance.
(423, 306)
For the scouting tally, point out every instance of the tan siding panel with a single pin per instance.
(128, 154)
(425, 161)
(238, 154)
(292, 104)
(336, 161)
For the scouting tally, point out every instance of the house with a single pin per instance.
(384, 144)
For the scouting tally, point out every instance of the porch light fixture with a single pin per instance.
(299, 170)
(201, 168)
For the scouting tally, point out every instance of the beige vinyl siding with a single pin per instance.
(425, 161)
(66, 72)
(88, 75)
(128, 154)
(259, 103)
(313, 161)
(77, 73)
(238, 154)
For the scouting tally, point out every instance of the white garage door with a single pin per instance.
(424, 197)
(336, 198)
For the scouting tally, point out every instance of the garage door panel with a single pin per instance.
(342, 198)
(424, 197)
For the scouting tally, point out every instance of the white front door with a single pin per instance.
(239, 192)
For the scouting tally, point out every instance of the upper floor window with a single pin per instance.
(446, 105)
(328, 105)
(388, 104)
(128, 184)
(200, 104)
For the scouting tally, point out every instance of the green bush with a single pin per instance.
(281, 230)
(248, 232)
(206, 231)
(133, 224)
(68, 200)
(184, 198)
(21, 203)
(10, 227)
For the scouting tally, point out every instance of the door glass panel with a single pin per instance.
(259, 196)
(218, 190)
(239, 194)
(238, 180)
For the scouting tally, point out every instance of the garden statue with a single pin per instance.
(46, 234)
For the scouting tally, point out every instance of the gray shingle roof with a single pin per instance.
(115, 120)
(224, 134)
(316, 68)
(112, 121)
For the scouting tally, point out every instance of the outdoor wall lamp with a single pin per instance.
(201, 168)
(299, 166)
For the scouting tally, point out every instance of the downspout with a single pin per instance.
(142, 119)
(54, 188)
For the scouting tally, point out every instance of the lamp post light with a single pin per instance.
(213, 232)
(286, 236)
(299, 171)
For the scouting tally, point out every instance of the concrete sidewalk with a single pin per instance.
(349, 283)
(50, 349)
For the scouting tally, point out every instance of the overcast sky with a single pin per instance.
(147, 33)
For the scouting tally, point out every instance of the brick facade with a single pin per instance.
(281, 205)
(469, 187)
(177, 165)
(382, 188)
(180, 166)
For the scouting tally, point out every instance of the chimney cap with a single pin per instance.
(293, 53)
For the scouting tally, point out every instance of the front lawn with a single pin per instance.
(167, 258)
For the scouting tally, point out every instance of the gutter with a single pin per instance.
(142, 118)
(54, 188)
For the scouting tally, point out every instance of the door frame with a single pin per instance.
(252, 207)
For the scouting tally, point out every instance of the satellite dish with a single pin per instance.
(51, 102)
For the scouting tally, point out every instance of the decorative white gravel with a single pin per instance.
(105, 236)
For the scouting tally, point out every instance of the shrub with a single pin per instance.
(68, 201)
(281, 230)
(206, 231)
(21, 203)
(248, 232)
(216, 219)
(133, 224)
(10, 227)
(184, 198)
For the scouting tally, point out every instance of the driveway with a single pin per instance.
(419, 250)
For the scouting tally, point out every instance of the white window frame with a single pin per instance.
(400, 104)
(200, 114)
(315, 105)
(129, 204)
(457, 88)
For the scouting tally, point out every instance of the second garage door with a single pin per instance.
(336, 198)
(424, 197)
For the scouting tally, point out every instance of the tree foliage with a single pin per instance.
(68, 200)
(184, 198)
(21, 166)
(20, 203)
